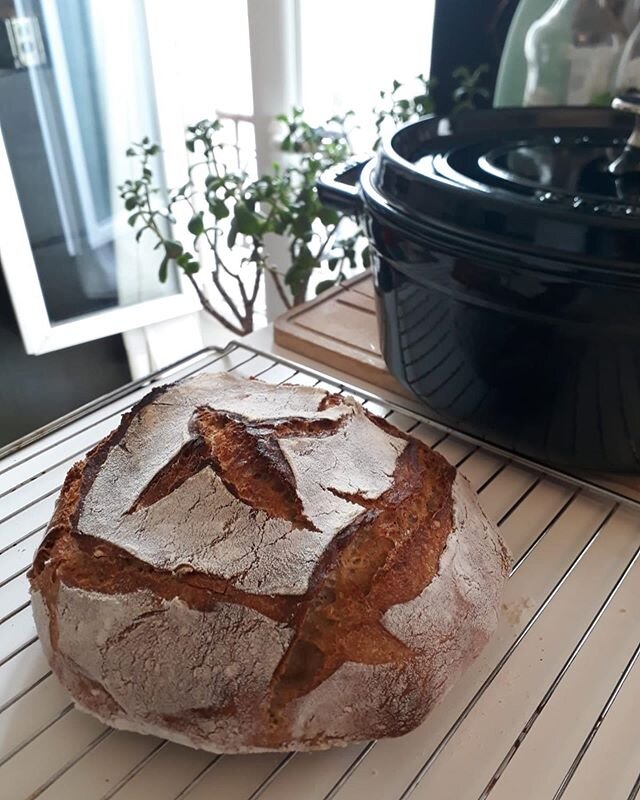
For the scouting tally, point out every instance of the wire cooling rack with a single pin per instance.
(549, 710)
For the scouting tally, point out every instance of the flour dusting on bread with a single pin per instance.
(245, 567)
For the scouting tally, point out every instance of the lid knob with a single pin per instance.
(629, 159)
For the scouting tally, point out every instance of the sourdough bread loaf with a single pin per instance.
(243, 567)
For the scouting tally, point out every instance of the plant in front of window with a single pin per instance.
(470, 90)
(397, 105)
(231, 213)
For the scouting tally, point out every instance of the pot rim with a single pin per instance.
(424, 231)
(390, 182)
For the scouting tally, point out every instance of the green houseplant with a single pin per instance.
(231, 212)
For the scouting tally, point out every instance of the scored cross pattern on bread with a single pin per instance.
(242, 566)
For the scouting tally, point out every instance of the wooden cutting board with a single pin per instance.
(340, 329)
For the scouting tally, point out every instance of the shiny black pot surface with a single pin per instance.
(502, 330)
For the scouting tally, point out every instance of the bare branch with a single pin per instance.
(280, 288)
(330, 236)
(227, 297)
(206, 305)
(256, 287)
(216, 279)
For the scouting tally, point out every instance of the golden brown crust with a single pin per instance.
(387, 556)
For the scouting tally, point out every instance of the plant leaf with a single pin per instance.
(328, 216)
(173, 249)
(196, 225)
(188, 263)
(218, 208)
(247, 221)
(164, 269)
(306, 259)
(233, 233)
(323, 286)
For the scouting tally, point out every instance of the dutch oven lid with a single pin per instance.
(562, 182)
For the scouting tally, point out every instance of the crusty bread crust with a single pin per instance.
(243, 567)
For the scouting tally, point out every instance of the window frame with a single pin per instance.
(38, 332)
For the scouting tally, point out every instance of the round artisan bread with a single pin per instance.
(244, 567)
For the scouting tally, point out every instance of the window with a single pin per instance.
(96, 75)
(350, 51)
(327, 57)
(67, 114)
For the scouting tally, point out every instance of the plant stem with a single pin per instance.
(216, 280)
(256, 285)
(206, 305)
(240, 331)
(227, 298)
(300, 295)
(330, 236)
(280, 288)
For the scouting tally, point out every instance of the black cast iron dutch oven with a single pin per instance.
(506, 258)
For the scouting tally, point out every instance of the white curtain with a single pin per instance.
(126, 91)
